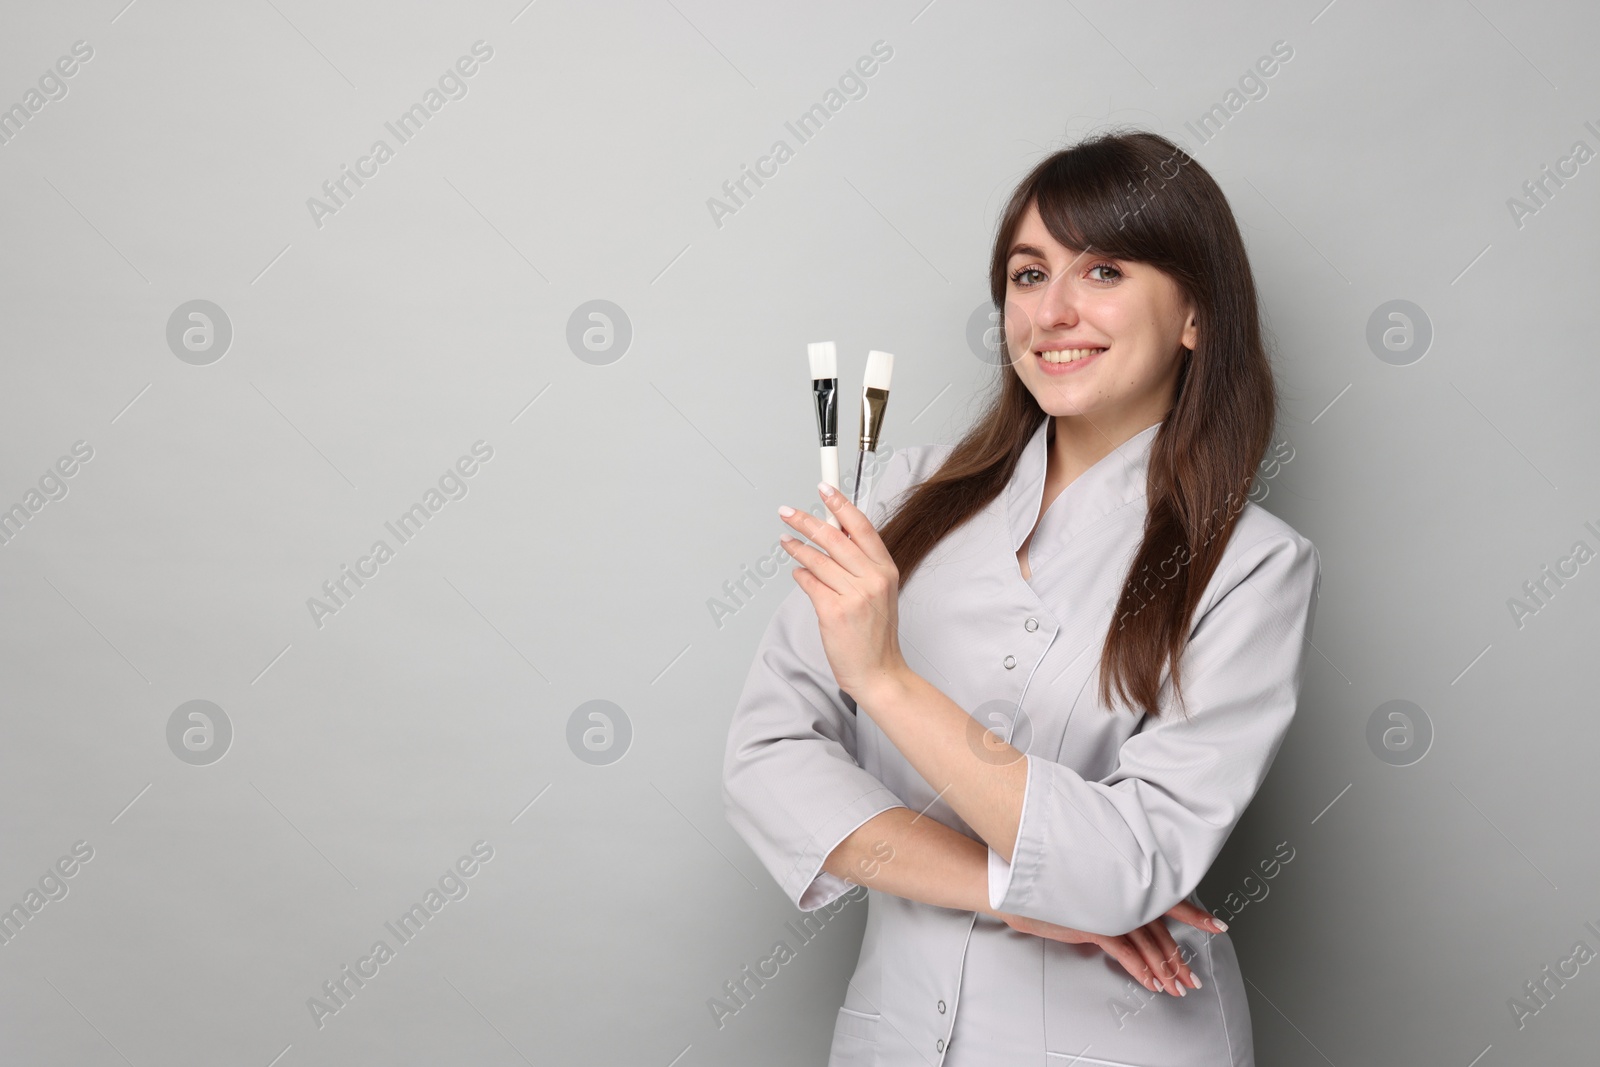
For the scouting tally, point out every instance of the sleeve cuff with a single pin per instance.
(823, 888)
(999, 869)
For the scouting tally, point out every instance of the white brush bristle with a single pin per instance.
(824, 359)
(880, 366)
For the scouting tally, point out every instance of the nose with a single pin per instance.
(1057, 307)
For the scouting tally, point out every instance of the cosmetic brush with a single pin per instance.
(874, 398)
(825, 391)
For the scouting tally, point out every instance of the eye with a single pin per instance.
(1017, 276)
(1106, 266)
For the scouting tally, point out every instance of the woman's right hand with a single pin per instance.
(1149, 953)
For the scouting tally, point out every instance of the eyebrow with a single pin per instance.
(1030, 250)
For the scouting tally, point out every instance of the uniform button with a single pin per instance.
(941, 1007)
(1010, 662)
(939, 1044)
(1031, 625)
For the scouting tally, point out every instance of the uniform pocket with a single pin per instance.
(855, 1039)
(1072, 1059)
(1097, 1016)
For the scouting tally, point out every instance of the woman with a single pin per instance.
(1029, 712)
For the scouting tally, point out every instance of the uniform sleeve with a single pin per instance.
(1109, 856)
(791, 785)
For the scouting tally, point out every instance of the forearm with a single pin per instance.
(980, 776)
(916, 857)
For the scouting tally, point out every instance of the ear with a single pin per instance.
(1191, 328)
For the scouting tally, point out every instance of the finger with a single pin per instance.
(1199, 918)
(1162, 968)
(1145, 946)
(855, 523)
(1132, 960)
(1171, 954)
(822, 566)
(844, 552)
(813, 586)
(822, 563)
(826, 564)
(823, 596)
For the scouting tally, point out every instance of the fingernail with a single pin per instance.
(1220, 925)
(825, 489)
(1195, 978)
(1183, 990)
(785, 510)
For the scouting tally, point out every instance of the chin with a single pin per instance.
(1062, 402)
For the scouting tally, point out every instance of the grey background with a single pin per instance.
(431, 312)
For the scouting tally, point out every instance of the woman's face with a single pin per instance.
(1138, 320)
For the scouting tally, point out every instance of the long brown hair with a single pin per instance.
(1134, 196)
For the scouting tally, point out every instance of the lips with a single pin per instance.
(1067, 355)
(1067, 360)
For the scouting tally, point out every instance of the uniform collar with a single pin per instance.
(1117, 479)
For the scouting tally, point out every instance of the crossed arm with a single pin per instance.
(1108, 855)
(932, 862)
(901, 852)
(907, 855)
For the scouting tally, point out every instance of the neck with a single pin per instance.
(1078, 444)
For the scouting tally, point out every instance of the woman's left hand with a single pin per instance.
(1149, 953)
(854, 586)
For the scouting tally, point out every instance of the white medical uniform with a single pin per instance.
(1122, 816)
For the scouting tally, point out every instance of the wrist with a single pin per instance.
(886, 688)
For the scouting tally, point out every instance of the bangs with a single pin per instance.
(1088, 203)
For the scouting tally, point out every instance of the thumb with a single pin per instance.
(1199, 918)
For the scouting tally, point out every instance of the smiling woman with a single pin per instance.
(1046, 854)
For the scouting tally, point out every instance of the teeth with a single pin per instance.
(1069, 355)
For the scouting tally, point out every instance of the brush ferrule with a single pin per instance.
(825, 391)
(873, 402)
